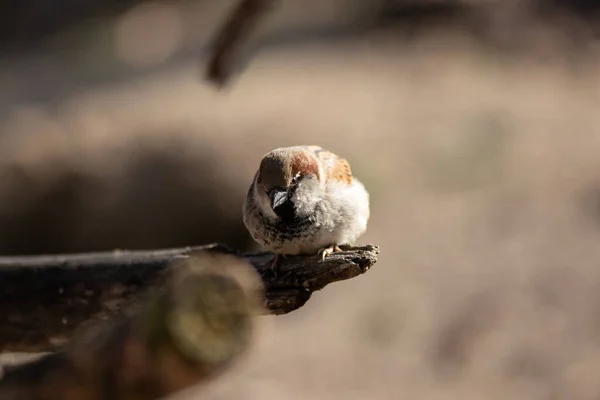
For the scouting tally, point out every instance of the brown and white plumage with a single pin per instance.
(303, 200)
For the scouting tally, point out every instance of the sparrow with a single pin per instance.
(304, 200)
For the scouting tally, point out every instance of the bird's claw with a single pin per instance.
(273, 265)
(329, 250)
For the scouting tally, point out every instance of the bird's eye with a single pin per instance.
(296, 178)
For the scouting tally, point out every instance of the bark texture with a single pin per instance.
(196, 325)
(46, 300)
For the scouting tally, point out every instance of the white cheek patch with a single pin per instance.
(305, 198)
(301, 194)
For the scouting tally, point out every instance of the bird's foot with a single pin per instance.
(273, 265)
(334, 248)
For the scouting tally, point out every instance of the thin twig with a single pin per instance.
(46, 300)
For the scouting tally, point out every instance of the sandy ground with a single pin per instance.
(484, 174)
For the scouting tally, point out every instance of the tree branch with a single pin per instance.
(233, 36)
(195, 327)
(46, 300)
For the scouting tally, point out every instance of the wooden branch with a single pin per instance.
(245, 20)
(233, 37)
(199, 323)
(46, 300)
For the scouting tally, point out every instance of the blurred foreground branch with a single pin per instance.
(200, 323)
(46, 300)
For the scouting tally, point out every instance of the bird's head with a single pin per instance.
(288, 182)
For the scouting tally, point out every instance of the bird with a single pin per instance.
(305, 200)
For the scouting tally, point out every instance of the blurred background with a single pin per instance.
(472, 123)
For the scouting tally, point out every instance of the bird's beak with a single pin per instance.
(278, 197)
